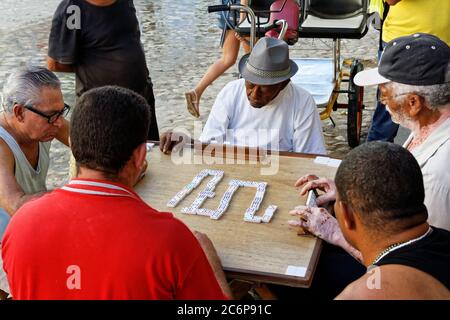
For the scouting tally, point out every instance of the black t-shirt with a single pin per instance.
(430, 255)
(105, 49)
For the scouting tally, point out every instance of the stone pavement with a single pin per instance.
(181, 41)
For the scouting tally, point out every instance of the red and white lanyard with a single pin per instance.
(122, 191)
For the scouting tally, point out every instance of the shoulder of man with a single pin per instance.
(174, 224)
(176, 239)
(166, 220)
(234, 85)
(64, 4)
(47, 145)
(303, 94)
(229, 94)
(64, 10)
(303, 101)
(6, 154)
(443, 149)
(390, 282)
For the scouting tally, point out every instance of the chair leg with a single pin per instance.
(264, 292)
(3, 295)
(240, 288)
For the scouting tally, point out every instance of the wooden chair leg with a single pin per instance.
(264, 292)
(240, 288)
(3, 295)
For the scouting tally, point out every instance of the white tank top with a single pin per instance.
(30, 180)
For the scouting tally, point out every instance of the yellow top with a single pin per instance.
(376, 6)
(411, 16)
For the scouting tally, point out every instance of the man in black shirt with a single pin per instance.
(381, 220)
(383, 216)
(99, 40)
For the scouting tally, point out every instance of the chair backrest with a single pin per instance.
(336, 9)
(261, 7)
(260, 4)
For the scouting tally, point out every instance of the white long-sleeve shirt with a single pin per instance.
(290, 122)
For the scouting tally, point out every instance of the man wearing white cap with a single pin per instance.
(264, 109)
(414, 84)
(403, 18)
(414, 81)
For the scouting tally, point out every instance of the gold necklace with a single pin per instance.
(398, 245)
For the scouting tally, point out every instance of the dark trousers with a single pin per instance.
(153, 132)
(382, 127)
(336, 269)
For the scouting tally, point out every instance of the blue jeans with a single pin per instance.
(382, 127)
(229, 15)
(4, 221)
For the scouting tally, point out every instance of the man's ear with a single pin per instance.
(415, 104)
(347, 215)
(18, 111)
(139, 155)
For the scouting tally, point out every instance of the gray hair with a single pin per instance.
(435, 96)
(24, 86)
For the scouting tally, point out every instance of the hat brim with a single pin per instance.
(247, 75)
(369, 78)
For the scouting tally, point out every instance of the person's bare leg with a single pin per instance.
(245, 43)
(228, 59)
(246, 46)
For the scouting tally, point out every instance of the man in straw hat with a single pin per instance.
(264, 109)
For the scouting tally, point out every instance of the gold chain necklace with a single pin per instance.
(398, 245)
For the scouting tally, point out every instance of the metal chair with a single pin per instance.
(266, 16)
(344, 19)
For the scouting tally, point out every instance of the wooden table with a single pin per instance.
(260, 252)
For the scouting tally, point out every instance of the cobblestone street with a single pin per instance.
(181, 40)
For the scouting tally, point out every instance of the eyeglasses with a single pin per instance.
(52, 117)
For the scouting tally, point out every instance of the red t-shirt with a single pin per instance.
(101, 241)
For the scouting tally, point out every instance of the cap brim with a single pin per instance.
(369, 78)
(264, 81)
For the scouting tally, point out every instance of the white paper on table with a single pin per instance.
(150, 145)
(295, 271)
(334, 162)
(321, 160)
(328, 161)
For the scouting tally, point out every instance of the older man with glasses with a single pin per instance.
(414, 82)
(53, 116)
(32, 115)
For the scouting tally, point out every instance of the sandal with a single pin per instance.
(192, 103)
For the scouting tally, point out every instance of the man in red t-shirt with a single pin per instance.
(95, 238)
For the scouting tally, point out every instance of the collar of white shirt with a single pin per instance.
(279, 98)
(428, 148)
